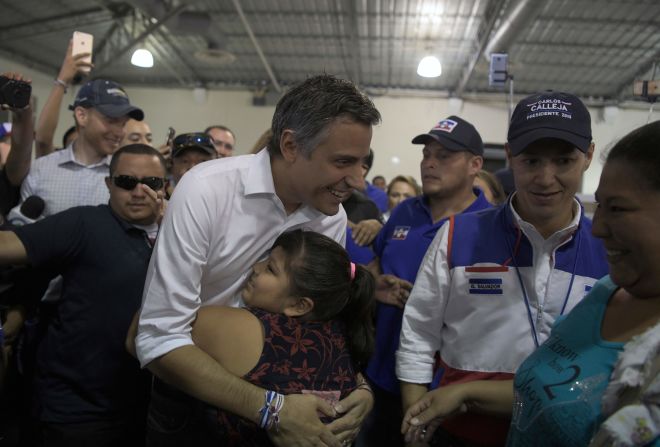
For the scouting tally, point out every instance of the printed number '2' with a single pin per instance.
(547, 388)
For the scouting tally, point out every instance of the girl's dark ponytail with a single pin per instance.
(358, 316)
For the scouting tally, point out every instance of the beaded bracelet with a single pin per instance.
(61, 83)
(269, 415)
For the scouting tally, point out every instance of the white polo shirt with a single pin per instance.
(224, 216)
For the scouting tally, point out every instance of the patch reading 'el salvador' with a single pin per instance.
(486, 286)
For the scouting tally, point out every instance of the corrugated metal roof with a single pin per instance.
(594, 48)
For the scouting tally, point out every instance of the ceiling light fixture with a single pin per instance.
(429, 67)
(142, 58)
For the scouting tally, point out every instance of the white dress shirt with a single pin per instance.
(224, 216)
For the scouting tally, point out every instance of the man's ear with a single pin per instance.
(507, 149)
(476, 163)
(288, 146)
(589, 155)
(81, 115)
(108, 182)
(301, 306)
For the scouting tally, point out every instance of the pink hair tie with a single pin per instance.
(352, 271)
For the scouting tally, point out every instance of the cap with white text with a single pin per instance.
(549, 115)
(107, 97)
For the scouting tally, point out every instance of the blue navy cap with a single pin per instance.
(454, 134)
(550, 115)
(107, 97)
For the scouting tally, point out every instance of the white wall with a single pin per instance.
(403, 118)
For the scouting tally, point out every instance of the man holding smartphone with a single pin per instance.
(74, 176)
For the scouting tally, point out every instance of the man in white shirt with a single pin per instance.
(225, 216)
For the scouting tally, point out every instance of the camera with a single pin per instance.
(14, 93)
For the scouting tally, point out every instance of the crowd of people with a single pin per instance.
(185, 295)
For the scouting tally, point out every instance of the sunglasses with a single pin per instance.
(129, 182)
(192, 139)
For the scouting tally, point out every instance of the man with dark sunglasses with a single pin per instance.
(90, 390)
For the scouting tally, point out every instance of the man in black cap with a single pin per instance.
(452, 157)
(493, 283)
(188, 150)
(74, 176)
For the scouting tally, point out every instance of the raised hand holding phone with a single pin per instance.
(83, 44)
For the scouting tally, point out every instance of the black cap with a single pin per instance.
(455, 134)
(107, 97)
(198, 141)
(550, 115)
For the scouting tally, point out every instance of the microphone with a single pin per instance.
(29, 211)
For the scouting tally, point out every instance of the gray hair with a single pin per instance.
(309, 109)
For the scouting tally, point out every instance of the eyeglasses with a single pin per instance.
(129, 182)
(191, 139)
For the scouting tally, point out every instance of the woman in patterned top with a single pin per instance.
(307, 327)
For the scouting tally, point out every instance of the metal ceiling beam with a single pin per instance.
(150, 29)
(257, 47)
(510, 27)
(66, 27)
(46, 20)
(35, 64)
(197, 78)
(496, 7)
(580, 46)
(103, 41)
(353, 40)
(164, 61)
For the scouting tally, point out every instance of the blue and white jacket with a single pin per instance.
(468, 303)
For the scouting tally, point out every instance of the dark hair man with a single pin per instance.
(225, 216)
(91, 392)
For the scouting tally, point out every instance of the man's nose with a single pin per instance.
(355, 179)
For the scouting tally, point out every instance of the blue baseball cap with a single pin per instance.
(454, 134)
(550, 115)
(107, 97)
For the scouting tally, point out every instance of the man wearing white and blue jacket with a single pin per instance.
(492, 283)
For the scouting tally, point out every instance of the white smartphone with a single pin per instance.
(83, 43)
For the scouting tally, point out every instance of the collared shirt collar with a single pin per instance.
(149, 230)
(260, 175)
(259, 180)
(557, 237)
(68, 156)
